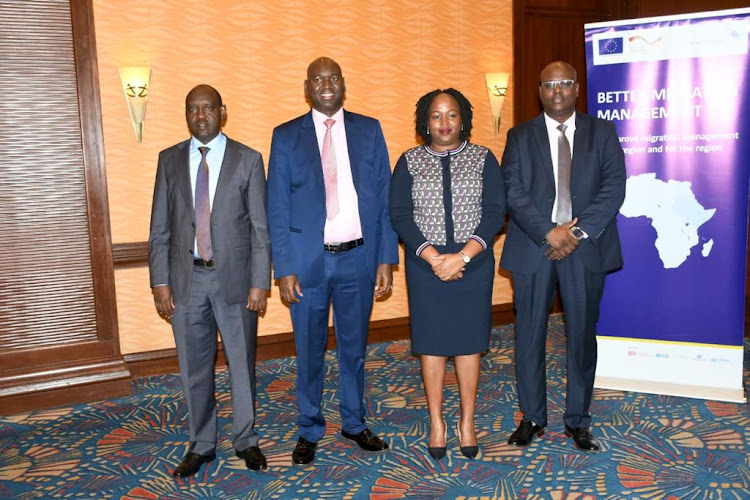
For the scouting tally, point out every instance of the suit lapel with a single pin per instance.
(228, 166)
(311, 152)
(542, 142)
(581, 145)
(352, 146)
(183, 176)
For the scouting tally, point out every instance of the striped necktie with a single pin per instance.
(330, 173)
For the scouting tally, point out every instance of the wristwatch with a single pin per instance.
(578, 233)
(465, 257)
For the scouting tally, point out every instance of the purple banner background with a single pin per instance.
(703, 299)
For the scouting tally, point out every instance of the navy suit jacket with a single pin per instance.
(597, 189)
(296, 196)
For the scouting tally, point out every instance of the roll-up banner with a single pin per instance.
(672, 320)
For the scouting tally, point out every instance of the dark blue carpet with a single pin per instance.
(655, 447)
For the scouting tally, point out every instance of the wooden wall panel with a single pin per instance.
(546, 31)
(58, 325)
(47, 279)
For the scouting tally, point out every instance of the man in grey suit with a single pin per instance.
(565, 180)
(209, 261)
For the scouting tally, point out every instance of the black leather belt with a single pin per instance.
(208, 264)
(343, 247)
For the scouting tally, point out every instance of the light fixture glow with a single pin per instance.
(497, 88)
(135, 85)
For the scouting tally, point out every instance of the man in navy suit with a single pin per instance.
(332, 243)
(562, 231)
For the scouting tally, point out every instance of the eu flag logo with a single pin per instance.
(610, 45)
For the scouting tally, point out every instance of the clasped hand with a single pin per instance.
(447, 267)
(562, 242)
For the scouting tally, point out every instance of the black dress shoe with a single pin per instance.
(192, 464)
(526, 432)
(304, 452)
(438, 452)
(253, 458)
(583, 438)
(366, 440)
(469, 452)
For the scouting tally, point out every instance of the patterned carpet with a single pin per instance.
(655, 447)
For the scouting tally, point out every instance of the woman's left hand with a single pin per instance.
(448, 267)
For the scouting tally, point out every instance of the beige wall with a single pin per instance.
(256, 53)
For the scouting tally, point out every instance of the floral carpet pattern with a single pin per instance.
(654, 447)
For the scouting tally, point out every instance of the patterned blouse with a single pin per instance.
(447, 195)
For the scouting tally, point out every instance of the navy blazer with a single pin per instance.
(296, 196)
(597, 190)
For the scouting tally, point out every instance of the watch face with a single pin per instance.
(578, 233)
(466, 258)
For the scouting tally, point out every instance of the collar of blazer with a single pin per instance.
(581, 143)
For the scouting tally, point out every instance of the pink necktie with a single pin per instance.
(330, 174)
(203, 209)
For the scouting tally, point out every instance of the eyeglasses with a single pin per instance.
(564, 84)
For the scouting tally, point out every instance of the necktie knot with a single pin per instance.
(562, 127)
(204, 150)
(329, 123)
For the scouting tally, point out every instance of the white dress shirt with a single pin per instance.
(215, 156)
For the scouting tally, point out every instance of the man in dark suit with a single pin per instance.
(328, 189)
(562, 231)
(210, 267)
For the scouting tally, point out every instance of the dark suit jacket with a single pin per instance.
(597, 189)
(239, 229)
(296, 196)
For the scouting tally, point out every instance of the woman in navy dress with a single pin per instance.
(447, 205)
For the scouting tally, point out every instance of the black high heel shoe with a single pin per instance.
(438, 452)
(469, 452)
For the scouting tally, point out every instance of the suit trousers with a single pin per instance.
(348, 286)
(195, 327)
(581, 292)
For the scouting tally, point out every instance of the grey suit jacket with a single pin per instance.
(597, 188)
(239, 226)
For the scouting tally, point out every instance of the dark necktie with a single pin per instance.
(564, 203)
(330, 172)
(203, 209)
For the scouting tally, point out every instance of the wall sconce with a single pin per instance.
(135, 84)
(497, 87)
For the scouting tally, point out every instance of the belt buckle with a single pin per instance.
(206, 264)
